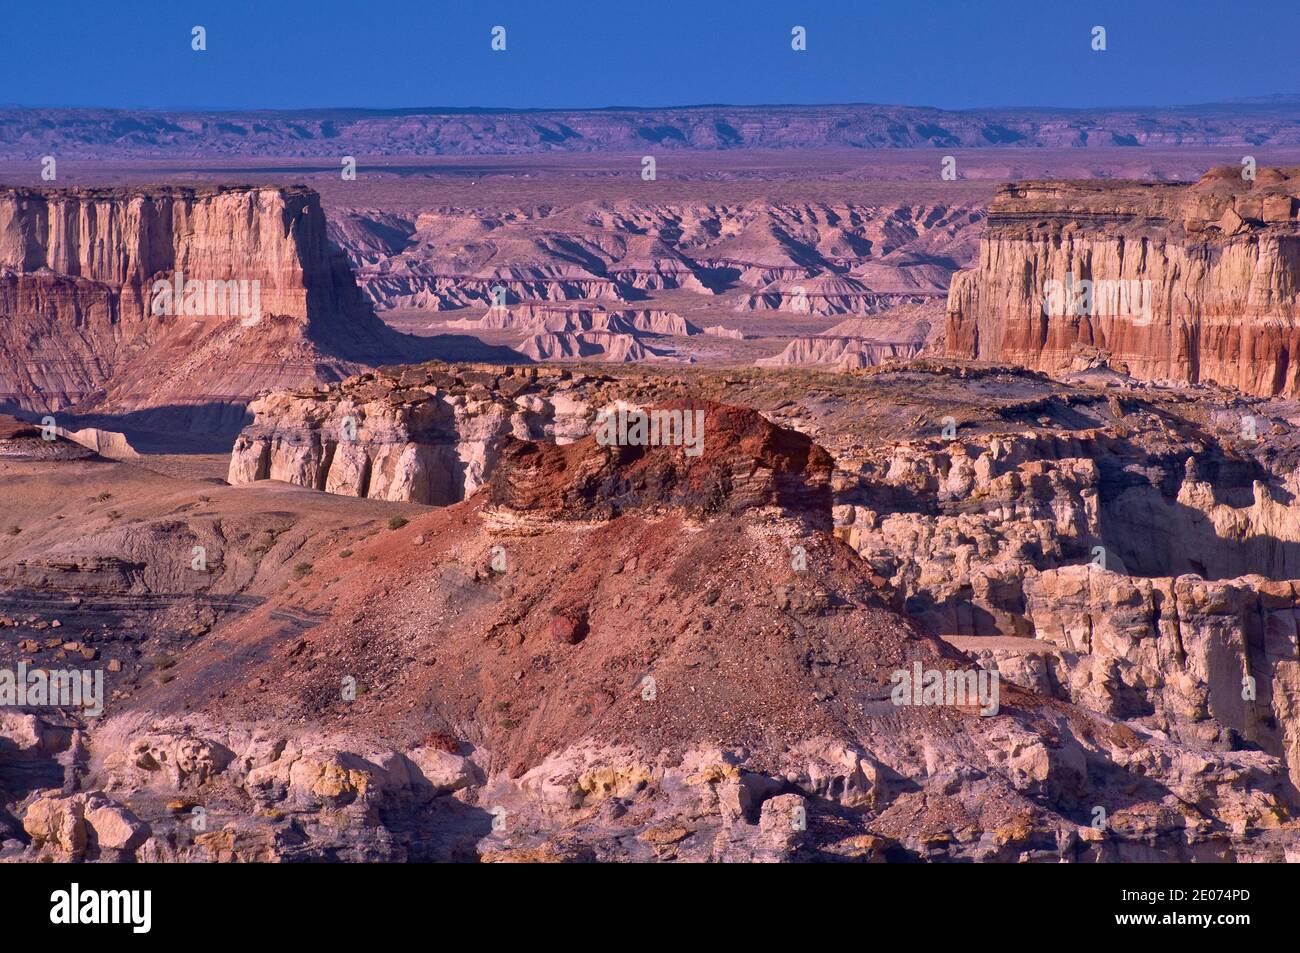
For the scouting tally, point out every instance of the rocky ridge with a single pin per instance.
(575, 334)
(836, 258)
(105, 133)
(857, 343)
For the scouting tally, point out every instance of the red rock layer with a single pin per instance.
(739, 461)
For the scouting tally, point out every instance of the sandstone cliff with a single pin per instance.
(87, 326)
(1221, 256)
(1143, 567)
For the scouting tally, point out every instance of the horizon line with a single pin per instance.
(1273, 99)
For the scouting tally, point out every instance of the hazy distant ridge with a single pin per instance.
(124, 134)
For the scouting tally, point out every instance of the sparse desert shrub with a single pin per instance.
(302, 569)
(397, 522)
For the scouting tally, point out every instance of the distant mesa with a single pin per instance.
(581, 334)
(100, 134)
(598, 345)
(538, 319)
(827, 295)
(721, 331)
(902, 333)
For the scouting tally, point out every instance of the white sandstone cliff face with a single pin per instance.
(1142, 600)
(1188, 656)
(124, 239)
(432, 444)
(954, 525)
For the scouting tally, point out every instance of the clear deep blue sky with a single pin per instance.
(575, 53)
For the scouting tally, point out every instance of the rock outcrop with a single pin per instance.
(1192, 283)
(861, 342)
(722, 331)
(184, 302)
(427, 434)
(827, 295)
(1144, 567)
(571, 334)
(536, 319)
(1211, 660)
(587, 345)
(23, 441)
(745, 464)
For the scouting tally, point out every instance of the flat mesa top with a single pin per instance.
(117, 192)
(1269, 196)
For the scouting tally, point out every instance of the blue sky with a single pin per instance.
(573, 53)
